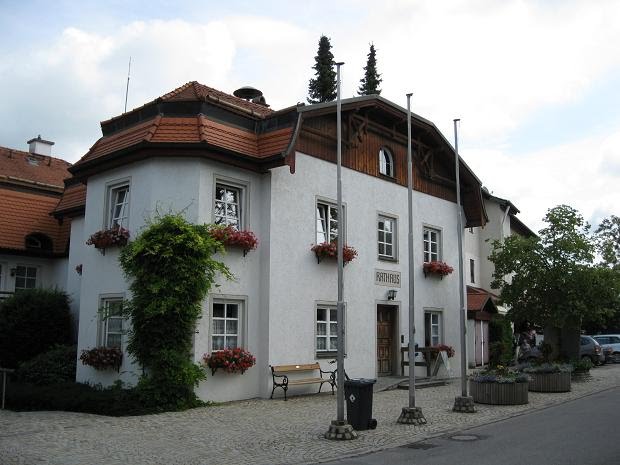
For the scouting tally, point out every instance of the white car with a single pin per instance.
(612, 341)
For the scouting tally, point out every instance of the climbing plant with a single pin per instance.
(171, 268)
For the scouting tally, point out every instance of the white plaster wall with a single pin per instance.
(298, 282)
(156, 185)
(472, 251)
(491, 231)
(74, 280)
(51, 272)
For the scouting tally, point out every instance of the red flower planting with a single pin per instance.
(103, 358)
(230, 360)
(439, 268)
(330, 249)
(109, 238)
(443, 347)
(230, 237)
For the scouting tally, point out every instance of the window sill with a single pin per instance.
(387, 259)
(331, 354)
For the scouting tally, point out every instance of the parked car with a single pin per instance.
(591, 349)
(611, 341)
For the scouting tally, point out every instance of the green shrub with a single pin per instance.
(57, 365)
(74, 397)
(501, 351)
(31, 322)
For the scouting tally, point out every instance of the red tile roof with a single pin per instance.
(17, 167)
(477, 298)
(24, 213)
(73, 198)
(196, 129)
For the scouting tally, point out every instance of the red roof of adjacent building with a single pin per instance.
(478, 298)
(25, 213)
(30, 187)
(17, 167)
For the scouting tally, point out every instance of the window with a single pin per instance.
(472, 271)
(226, 325)
(386, 239)
(38, 241)
(386, 162)
(112, 322)
(432, 328)
(326, 329)
(326, 222)
(25, 277)
(118, 206)
(431, 245)
(228, 205)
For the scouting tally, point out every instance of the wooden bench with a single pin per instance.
(404, 361)
(280, 372)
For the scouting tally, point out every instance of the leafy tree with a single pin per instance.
(552, 281)
(322, 88)
(369, 84)
(608, 241)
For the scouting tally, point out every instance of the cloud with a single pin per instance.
(577, 174)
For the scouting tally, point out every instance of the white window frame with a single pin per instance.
(241, 319)
(105, 318)
(323, 227)
(120, 219)
(436, 321)
(429, 255)
(243, 207)
(26, 277)
(386, 162)
(331, 308)
(394, 232)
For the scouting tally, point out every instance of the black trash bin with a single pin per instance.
(358, 393)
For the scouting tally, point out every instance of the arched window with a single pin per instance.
(386, 162)
(38, 241)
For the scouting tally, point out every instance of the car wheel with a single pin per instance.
(616, 357)
(587, 357)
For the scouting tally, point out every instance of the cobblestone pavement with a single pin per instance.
(249, 432)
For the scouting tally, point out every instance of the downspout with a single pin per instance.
(292, 142)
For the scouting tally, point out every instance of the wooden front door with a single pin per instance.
(385, 343)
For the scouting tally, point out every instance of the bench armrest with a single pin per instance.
(284, 378)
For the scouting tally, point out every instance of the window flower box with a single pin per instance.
(230, 360)
(231, 237)
(499, 386)
(113, 237)
(103, 358)
(449, 350)
(330, 250)
(440, 269)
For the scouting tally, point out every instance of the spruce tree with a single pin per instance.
(322, 88)
(369, 84)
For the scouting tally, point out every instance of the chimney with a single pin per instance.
(38, 146)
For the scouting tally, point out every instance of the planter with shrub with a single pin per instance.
(549, 377)
(499, 386)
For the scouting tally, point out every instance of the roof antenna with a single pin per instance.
(127, 88)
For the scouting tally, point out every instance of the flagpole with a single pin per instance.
(464, 403)
(340, 429)
(411, 414)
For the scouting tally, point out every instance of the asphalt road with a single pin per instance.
(585, 431)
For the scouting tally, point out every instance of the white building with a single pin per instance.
(204, 152)
(482, 300)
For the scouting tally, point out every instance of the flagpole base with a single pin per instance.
(411, 416)
(340, 431)
(464, 404)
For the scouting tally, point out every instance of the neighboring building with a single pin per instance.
(219, 158)
(33, 245)
(482, 301)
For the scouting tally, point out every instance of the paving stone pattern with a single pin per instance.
(250, 432)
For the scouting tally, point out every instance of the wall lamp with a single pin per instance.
(13, 271)
(391, 294)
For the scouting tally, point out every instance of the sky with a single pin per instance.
(536, 84)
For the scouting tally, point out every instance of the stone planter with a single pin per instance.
(499, 393)
(549, 382)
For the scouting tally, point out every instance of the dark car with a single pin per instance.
(591, 349)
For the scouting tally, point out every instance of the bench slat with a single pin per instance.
(307, 381)
(293, 368)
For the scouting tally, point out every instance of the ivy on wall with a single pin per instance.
(171, 269)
